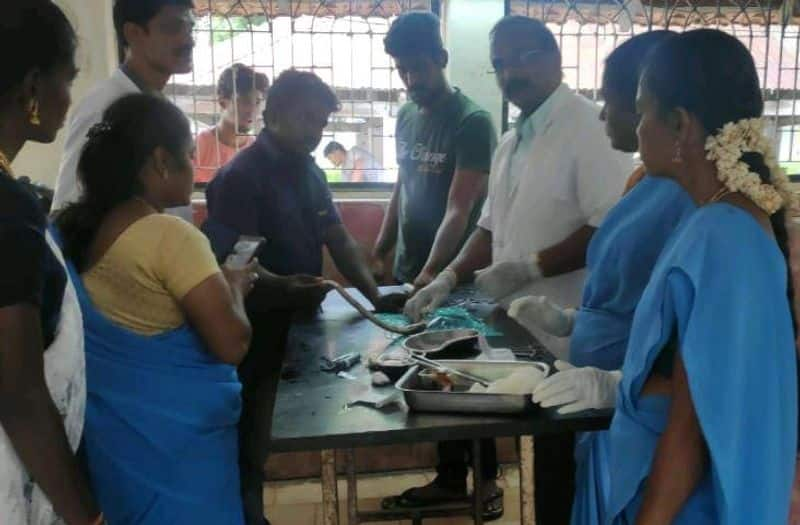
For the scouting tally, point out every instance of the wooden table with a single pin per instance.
(311, 410)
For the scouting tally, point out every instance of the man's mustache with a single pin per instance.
(516, 85)
(185, 51)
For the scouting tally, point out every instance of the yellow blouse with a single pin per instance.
(150, 267)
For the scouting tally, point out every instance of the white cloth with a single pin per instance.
(490, 353)
(568, 177)
(21, 500)
(85, 115)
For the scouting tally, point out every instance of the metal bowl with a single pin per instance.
(437, 344)
(391, 366)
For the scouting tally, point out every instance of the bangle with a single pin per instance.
(99, 520)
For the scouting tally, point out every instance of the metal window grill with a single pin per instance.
(342, 42)
(588, 31)
(339, 40)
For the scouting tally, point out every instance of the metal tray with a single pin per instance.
(421, 399)
(436, 341)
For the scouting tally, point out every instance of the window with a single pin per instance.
(339, 40)
(589, 31)
(342, 42)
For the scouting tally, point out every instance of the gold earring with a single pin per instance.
(677, 158)
(33, 112)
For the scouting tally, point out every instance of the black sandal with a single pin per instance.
(427, 495)
(493, 507)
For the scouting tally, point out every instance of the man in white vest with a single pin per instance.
(553, 178)
(158, 43)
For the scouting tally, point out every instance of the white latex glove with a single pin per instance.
(502, 279)
(540, 312)
(430, 297)
(577, 389)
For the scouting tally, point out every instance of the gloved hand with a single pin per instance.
(577, 389)
(423, 279)
(501, 279)
(430, 297)
(542, 313)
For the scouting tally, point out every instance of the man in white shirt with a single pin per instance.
(553, 178)
(157, 38)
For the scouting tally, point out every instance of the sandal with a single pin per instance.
(435, 494)
(493, 505)
(431, 494)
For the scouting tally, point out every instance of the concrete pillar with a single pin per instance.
(466, 29)
(96, 59)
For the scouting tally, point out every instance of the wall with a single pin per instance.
(96, 60)
(467, 24)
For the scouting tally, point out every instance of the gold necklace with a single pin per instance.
(721, 193)
(144, 201)
(5, 164)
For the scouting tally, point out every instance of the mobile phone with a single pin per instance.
(244, 250)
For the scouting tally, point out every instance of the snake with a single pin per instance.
(402, 330)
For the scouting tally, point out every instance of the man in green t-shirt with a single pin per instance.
(444, 150)
(445, 144)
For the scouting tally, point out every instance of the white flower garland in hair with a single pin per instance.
(726, 147)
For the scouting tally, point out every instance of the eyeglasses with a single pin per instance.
(522, 59)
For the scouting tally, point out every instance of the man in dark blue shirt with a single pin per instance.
(274, 189)
(279, 195)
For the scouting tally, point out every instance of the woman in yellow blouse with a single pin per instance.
(165, 326)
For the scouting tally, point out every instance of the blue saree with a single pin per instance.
(161, 425)
(620, 259)
(720, 285)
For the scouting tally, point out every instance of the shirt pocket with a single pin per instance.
(546, 175)
(558, 176)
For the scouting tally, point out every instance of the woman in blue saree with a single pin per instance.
(620, 259)
(705, 426)
(164, 326)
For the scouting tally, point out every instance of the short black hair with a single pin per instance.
(625, 63)
(292, 88)
(240, 80)
(140, 12)
(414, 33)
(545, 40)
(33, 34)
(333, 146)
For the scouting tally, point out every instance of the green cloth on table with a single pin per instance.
(447, 318)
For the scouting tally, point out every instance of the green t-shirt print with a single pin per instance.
(430, 147)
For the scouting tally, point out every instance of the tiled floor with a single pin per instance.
(299, 502)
